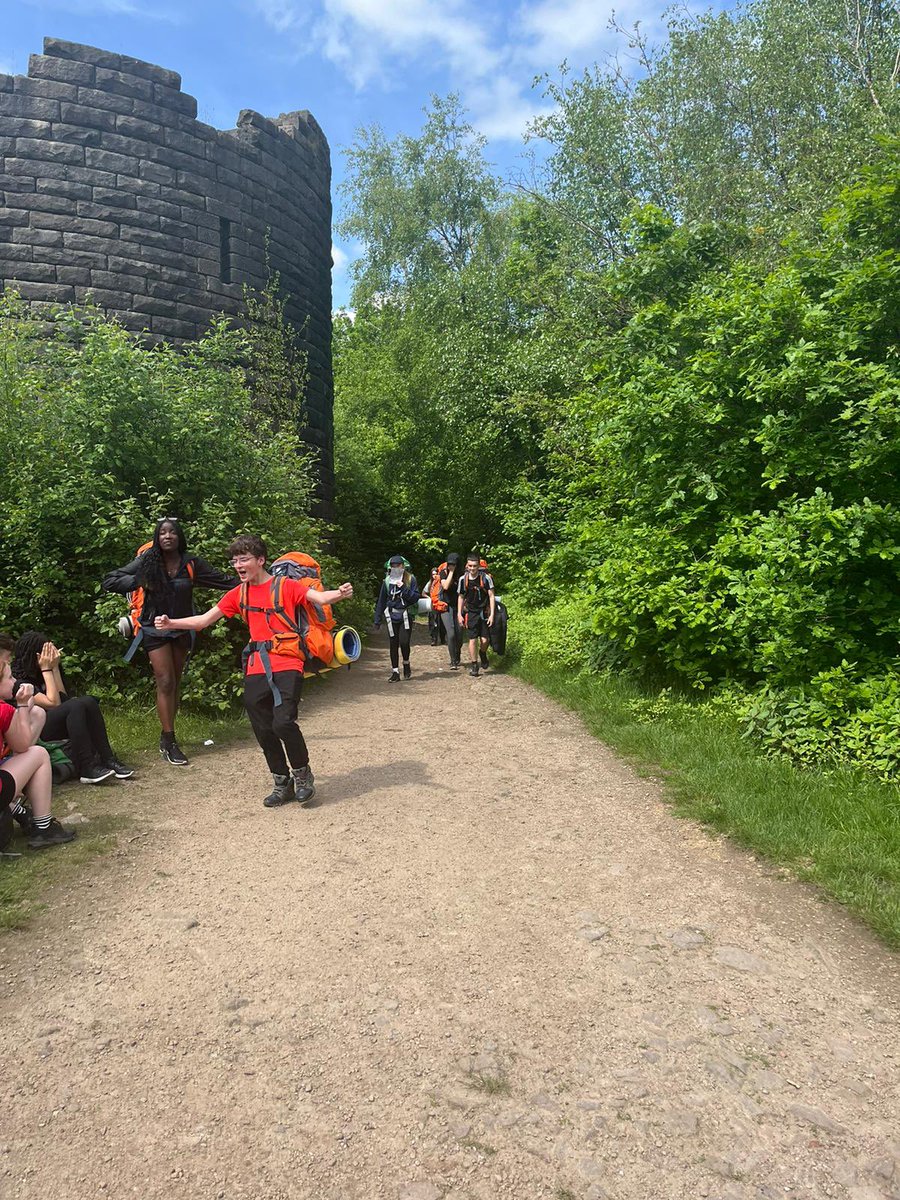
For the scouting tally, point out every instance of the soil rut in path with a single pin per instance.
(489, 964)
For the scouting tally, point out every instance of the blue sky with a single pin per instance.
(350, 62)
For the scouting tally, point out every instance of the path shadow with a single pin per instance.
(351, 785)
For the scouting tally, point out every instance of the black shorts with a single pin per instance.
(151, 641)
(477, 626)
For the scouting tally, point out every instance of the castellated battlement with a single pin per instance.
(111, 188)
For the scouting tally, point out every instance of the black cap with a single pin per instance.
(396, 560)
(453, 558)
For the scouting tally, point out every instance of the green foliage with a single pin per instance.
(661, 384)
(101, 437)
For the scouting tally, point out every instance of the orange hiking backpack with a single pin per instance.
(434, 591)
(130, 625)
(316, 621)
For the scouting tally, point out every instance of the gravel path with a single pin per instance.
(488, 964)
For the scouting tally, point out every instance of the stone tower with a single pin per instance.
(110, 186)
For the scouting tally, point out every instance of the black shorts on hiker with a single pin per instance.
(150, 641)
(477, 626)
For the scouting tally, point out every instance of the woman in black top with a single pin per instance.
(168, 575)
(76, 719)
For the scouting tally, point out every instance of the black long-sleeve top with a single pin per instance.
(178, 598)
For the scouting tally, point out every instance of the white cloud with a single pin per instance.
(490, 58)
(359, 35)
(556, 29)
(500, 110)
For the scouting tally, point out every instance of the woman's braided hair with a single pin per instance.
(25, 665)
(154, 579)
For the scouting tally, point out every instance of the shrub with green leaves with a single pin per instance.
(101, 437)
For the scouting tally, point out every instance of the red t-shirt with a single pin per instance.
(293, 593)
(7, 712)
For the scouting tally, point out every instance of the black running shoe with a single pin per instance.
(24, 818)
(454, 666)
(96, 774)
(407, 670)
(119, 769)
(473, 670)
(395, 676)
(304, 785)
(175, 755)
(54, 835)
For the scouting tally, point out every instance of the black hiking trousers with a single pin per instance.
(398, 643)
(275, 726)
(79, 719)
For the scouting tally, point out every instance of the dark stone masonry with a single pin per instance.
(111, 187)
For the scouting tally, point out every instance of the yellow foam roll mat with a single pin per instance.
(347, 646)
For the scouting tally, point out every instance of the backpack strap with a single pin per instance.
(262, 648)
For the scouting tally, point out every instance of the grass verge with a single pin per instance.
(134, 733)
(838, 829)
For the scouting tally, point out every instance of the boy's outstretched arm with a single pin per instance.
(334, 596)
(196, 623)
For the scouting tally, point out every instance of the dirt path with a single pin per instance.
(489, 964)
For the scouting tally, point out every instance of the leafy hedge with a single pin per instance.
(101, 436)
(733, 486)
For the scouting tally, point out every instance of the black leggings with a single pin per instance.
(276, 727)
(399, 641)
(79, 720)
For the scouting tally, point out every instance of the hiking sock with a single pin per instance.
(42, 822)
(18, 809)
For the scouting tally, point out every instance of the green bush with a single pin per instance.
(102, 436)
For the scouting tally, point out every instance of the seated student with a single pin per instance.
(28, 765)
(76, 718)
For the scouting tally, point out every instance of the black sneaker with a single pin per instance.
(281, 793)
(54, 835)
(96, 774)
(454, 666)
(24, 818)
(119, 769)
(473, 670)
(304, 785)
(407, 670)
(484, 660)
(175, 755)
(395, 676)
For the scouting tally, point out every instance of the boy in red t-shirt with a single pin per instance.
(270, 698)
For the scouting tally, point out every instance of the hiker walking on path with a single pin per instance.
(274, 660)
(162, 580)
(396, 606)
(476, 610)
(443, 601)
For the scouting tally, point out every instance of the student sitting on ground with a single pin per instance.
(76, 718)
(29, 765)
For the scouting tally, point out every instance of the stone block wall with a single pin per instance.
(111, 188)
